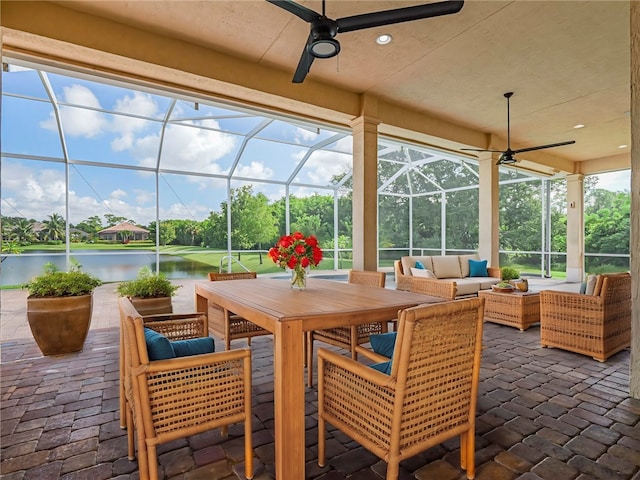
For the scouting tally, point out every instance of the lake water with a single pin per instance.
(108, 266)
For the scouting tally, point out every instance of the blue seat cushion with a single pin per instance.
(383, 343)
(384, 367)
(478, 268)
(193, 346)
(158, 346)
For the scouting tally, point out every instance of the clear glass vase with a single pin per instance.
(299, 278)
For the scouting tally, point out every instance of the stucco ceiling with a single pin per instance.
(566, 61)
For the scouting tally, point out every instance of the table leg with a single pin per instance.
(202, 304)
(289, 400)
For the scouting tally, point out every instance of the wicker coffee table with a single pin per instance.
(516, 309)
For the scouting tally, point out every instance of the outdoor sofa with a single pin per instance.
(446, 276)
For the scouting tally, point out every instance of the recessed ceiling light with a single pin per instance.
(579, 125)
(623, 146)
(383, 39)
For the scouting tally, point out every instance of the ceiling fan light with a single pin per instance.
(324, 47)
(506, 159)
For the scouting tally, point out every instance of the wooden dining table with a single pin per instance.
(288, 314)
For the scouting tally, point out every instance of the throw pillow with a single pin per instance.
(419, 265)
(384, 367)
(383, 343)
(158, 346)
(193, 346)
(591, 284)
(417, 272)
(464, 263)
(478, 268)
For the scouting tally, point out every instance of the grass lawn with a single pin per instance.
(255, 261)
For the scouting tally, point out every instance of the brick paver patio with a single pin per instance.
(542, 414)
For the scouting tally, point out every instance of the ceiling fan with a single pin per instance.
(321, 42)
(507, 156)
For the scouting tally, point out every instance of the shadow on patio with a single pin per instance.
(542, 414)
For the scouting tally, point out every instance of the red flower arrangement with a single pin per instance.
(297, 253)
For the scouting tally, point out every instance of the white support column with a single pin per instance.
(634, 247)
(488, 211)
(365, 193)
(575, 228)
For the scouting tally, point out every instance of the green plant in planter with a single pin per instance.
(59, 308)
(147, 285)
(54, 283)
(509, 273)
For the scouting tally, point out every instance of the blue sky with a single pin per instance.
(103, 124)
(106, 124)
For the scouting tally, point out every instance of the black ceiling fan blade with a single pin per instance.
(298, 10)
(540, 147)
(304, 65)
(398, 15)
(481, 150)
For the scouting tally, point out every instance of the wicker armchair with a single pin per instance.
(597, 325)
(429, 397)
(227, 325)
(180, 397)
(347, 337)
(174, 326)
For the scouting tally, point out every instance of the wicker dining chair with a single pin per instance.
(227, 325)
(174, 326)
(597, 325)
(179, 397)
(429, 396)
(347, 337)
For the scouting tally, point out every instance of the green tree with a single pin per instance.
(22, 232)
(92, 225)
(520, 217)
(167, 232)
(252, 220)
(54, 228)
(114, 220)
(188, 232)
(607, 223)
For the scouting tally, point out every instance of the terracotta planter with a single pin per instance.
(60, 324)
(152, 306)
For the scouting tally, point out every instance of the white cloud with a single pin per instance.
(118, 193)
(127, 127)
(322, 165)
(304, 136)
(254, 170)
(78, 122)
(37, 193)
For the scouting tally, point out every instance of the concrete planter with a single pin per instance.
(60, 324)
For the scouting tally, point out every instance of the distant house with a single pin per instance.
(123, 232)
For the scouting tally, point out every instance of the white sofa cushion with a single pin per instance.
(422, 272)
(447, 266)
(486, 282)
(467, 286)
(464, 263)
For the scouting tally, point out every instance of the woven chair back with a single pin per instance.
(436, 363)
(214, 276)
(362, 277)
(615, 287)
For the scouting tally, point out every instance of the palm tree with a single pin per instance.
(54, 227)
(22, 232)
